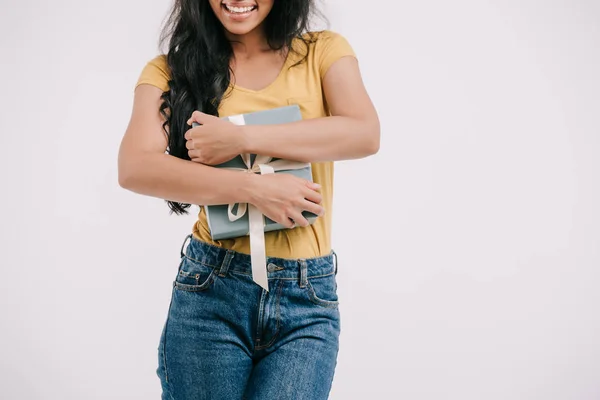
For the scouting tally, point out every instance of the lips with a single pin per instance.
(239, 8)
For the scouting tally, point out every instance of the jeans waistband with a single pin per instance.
(277, 268)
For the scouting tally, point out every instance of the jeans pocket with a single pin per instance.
(322, 290)
(194, 276)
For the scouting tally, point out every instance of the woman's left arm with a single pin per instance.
(351, 132)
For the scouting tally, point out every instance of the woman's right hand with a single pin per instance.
(283, 197)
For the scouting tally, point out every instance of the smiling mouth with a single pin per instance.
(238, 10)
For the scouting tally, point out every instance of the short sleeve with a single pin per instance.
(331, 46)
(156, 73)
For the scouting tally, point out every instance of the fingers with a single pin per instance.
(194, 155)
(312, 185)
(193, 118)
(288, 223)
(197, 117)
(298, 219)
(283, 220)
(313, 196)
(200, 118)
(285, 197)
(316, 209)
(293, 217)
(188, 134)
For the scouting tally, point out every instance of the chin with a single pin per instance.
(239, 30)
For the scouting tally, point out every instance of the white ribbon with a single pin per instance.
(262, 165)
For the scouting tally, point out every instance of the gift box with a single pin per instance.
(233, 220)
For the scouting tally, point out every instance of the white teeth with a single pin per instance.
(238, 10)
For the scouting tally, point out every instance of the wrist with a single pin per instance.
(247, 139)
(250, 188)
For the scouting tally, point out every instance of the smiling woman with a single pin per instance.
(225, 337)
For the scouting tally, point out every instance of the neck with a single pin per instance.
(250, 44)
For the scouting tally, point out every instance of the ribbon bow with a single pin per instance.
(262, 165)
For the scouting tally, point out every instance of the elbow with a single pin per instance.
(124, 179)
(126, 172)
(368, 147)
(373, 139)
(373, 146)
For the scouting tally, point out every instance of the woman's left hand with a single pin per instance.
(215, 141)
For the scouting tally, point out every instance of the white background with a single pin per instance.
(469, 246)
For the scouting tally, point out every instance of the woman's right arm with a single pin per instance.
(145, 168)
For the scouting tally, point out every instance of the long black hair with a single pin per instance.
(199, 56)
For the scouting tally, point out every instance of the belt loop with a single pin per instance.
(336, 261)
(225, 264)
(183, 245)
(302, 268)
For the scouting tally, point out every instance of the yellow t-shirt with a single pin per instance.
(302, 85)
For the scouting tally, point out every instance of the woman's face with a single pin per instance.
(240, 17)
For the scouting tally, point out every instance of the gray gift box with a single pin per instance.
(217, 215)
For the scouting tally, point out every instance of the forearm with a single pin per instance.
(321, 139)
(171, 178)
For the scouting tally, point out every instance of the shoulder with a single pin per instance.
(327, 46)
(323, 39)
(322, 35)
(156, 73)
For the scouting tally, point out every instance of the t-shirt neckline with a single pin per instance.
(279, 76)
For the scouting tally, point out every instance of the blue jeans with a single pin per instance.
(226, 338)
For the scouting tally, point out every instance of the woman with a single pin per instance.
(225, 337)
